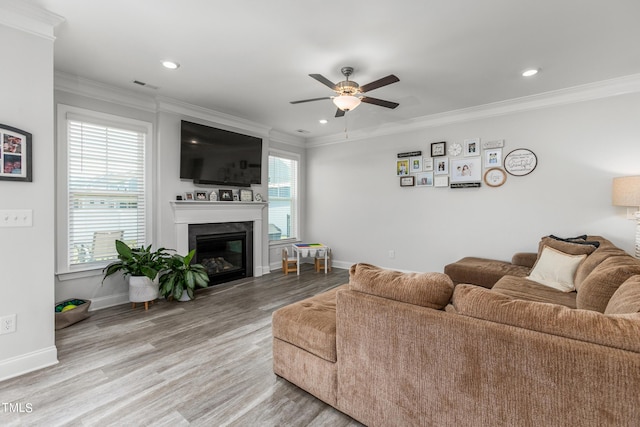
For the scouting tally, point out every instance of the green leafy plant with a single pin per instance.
(140, 261)
(181, 276)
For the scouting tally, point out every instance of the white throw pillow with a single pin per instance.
(556, 269)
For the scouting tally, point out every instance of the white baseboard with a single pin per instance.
(29, 362)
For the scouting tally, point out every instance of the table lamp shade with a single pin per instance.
(626, 191)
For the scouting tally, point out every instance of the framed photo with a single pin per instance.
(424, 179)
(188, 196)
(407, 181)
(493, 158)
(441, 181)
(15, 154)
(438, 149)
(466, 170)
(415, 164)
(495, 177)
(246, 195)
(402, 167)
(226, 195)
(520, 162)
(427, 164)
(201, 195)
(472, 147)
(441, 166)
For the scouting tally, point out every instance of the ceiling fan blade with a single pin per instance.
(380, 102)
(309, 100)
(339, 113)
(379, 83)
(325, 81)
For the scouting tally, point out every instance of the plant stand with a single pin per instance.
(142, 289)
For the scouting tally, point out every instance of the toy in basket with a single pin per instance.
(71, 311)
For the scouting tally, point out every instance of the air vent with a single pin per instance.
(139, 83)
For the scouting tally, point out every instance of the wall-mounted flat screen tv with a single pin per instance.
(216, 156)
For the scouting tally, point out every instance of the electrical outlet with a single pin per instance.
(392, 254)
(8, 324)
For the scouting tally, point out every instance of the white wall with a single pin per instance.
(27, 254)
(358, 208)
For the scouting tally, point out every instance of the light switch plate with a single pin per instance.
(16, 218)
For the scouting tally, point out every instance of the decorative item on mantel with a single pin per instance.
(626, 192)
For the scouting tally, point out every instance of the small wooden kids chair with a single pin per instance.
(289, 264)
(319, 261)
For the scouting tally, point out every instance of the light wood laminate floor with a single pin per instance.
(205, 362)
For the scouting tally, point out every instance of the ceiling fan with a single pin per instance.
(349, 93)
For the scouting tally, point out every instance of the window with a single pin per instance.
(283, 196)
(105, 192)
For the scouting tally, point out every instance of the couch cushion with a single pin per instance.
(432, 290)
(626, 299)
(483, 271)
(566, 246)
(598, 287)
(619, 331)
(556, 269)
(523, 289)
(604, 251)
(310, 324)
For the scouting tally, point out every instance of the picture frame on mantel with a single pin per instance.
(15, 154)
(226, 196)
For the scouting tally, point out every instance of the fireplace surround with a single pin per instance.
(188, 214)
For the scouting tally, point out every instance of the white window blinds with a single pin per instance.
(283, 197)
(106, 190)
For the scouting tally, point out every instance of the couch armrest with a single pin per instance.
(432, 290)
(525, 259)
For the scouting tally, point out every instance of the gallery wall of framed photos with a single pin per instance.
(464, 164)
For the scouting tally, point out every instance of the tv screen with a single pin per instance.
(216, 156)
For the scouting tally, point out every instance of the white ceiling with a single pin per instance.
(249, 58)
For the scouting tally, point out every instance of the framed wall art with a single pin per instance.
(466, 170)
(495, 177)
(427, 164)
(520, 162)
(15, 154)
(441, 166)
(441, 181)
(438, 149)
(407, 181)
(415, 164)
(402, 167)
(246, 195)
(201, 195)
(493, 158)
(472, 147)
(424, 179)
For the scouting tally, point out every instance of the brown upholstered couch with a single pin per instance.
(394, 349)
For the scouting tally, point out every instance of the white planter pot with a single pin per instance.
(143, 289)
(185, 296)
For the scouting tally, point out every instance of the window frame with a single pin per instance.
(297, 217)
(65, 113)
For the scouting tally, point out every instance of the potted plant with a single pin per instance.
(142, 266)
(180, 277)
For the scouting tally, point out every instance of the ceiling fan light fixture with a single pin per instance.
(346, 102)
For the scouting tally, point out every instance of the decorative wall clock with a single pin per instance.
(455, 149)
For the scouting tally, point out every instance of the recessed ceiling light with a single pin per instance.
(323, 121)
(531, 72)
(170, 65)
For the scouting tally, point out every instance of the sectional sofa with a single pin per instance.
(402, 349)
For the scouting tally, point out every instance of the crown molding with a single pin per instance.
(592, 91)
(100, 91)
(29, 18)
(174, 106)
(284, 138)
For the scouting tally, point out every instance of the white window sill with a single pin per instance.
(80, 274)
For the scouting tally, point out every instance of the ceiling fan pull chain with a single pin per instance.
(346, 125)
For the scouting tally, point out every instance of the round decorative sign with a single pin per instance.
(495, 177)
(520, 162)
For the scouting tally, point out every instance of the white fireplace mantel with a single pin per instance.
(187, 212)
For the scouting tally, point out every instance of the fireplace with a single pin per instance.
(224, 249)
